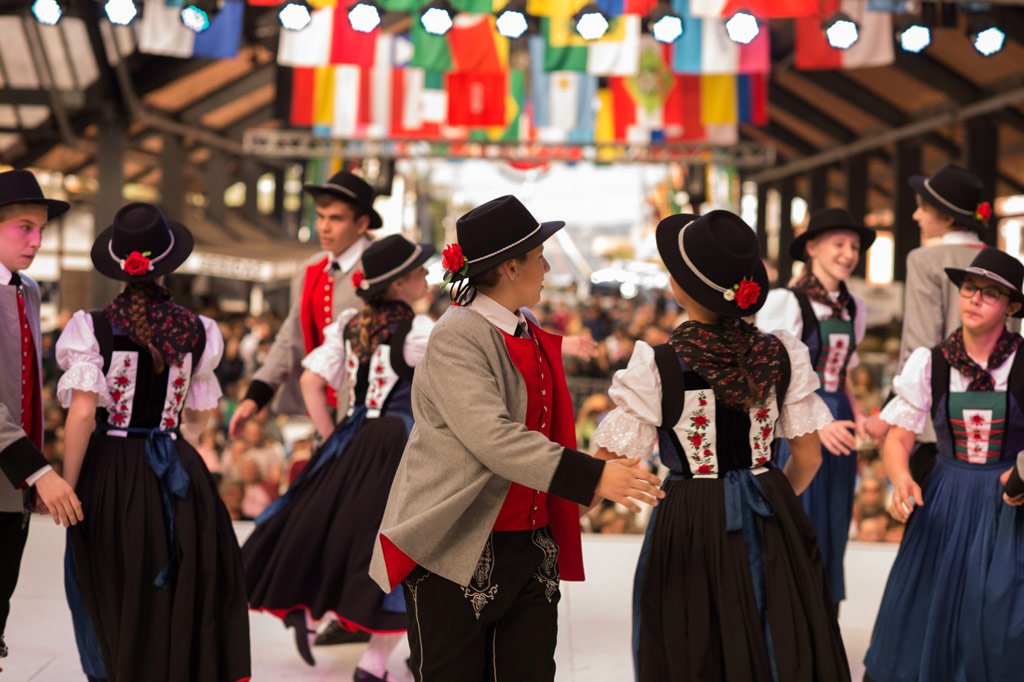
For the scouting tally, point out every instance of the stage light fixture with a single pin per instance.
(295, 15)
(742, 27)
(511, 21)
(666, 26)
(197, 15)
(47, 12)
(437, 18)
(591, 22)
(364, 16)
(987, 38)
(121, 12)
(841, 31)
(915, 38)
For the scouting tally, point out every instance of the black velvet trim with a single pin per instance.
(577, 476)
(21, 459)
(259, 392)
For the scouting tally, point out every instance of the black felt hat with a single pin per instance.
(351, 188)
(21, 187)
(830, 220)
(141, 245)
(955, 191)
(386, 260)
(715, 258)
(495, 232)
(998, 267)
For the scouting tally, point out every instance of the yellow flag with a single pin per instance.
(718, 99)
(323, 96)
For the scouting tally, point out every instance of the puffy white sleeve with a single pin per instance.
(78, 354)
(781, 310)
(803, 411)
(204, 390)
(630, 430)
(910, 407)
(416, 340)
(860, 328)
(328, 359)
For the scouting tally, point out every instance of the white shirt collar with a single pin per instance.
(961, 237)
(497, 314)
(5, 275)
(350, 256)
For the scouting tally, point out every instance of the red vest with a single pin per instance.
(316, 310)
(31, 401)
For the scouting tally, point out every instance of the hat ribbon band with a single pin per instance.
(154, 259)
(346, 190)
(988, 274)
(369, 281)
(946, 203)
(506, 248)
(690, 264)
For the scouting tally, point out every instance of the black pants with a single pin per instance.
(13, 534)
(501, 628)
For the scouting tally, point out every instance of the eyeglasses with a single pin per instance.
(988, 294)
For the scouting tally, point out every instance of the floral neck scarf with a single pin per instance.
(377, 321)
(812, 288)
(174, 330)
(956, 355)
(741, 364)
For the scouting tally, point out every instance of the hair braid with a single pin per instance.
(140, 324)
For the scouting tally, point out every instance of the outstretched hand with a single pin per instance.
(623, 481)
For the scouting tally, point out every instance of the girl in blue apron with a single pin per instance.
(820, 311)
(953, 609)
(730, 585)
(310, 553)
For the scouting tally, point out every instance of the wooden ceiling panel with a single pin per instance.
(899, 89)
(807, 132)
(243, 106)
(191, 88)
(830, 101)
(954, 49)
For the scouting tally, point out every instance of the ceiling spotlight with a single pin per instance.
(47, 12)
(666, 26)
(121, 12)
(915, 38)
(437, 17)
(295, 15)
(742, 27)
(197, 15)
(364, 16)
(988, 39)
(591, 22)
(512, 21)
(841, 31)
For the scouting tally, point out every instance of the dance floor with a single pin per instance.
(593, 643)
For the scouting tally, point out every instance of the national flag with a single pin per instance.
(554, 8)
(473, 6)
(705, 46)
(302, 97)
(516, 126)
(309, 47)
(874, 48)
(615, 8)
(562, 101)
(476, 46)
(349, 46)
(476, 100)
(429, 51)
(762, 9)
(161, 32)
(566, 50)
(418, 105)
(618, 52)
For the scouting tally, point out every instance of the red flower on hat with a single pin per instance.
(454, 262)
(983, 212)
(746, 293)
(357, 279)
(136, 263)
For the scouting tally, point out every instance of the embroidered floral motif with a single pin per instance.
(547, 572)
(480, 590)
(703, 455)
(117, 411)
(178, 381)
(764, 434)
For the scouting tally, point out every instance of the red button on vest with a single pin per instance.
(321, 305)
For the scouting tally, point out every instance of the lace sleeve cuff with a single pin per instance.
(625, 435)
(204, 393)
(802, 417)
(83, 377)
(904, 415)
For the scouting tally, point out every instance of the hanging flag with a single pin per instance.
(161, 32)
(562, 101)
(349, 46)
(554, 8)
(476, 100)
(429, 51)
(474, 6)
(705, 47)
(323, 98)
(302, 97)
(752, 94)
(874, 48)
(309, 47)
(615, 8)
(618, 52)
(414, 104)
(516, 126)
(762, 9)
(476, 46)
(566, 50)
(652, 82)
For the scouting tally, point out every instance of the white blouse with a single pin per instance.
(630, 430)
(781, 310)
(78, 354)
(328, 360)
(911, 407)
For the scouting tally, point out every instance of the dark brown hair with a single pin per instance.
(324, 199)
(490, 278)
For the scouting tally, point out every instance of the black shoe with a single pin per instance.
(335, 634)
(297, 621)
(3, 647)
(363, 676)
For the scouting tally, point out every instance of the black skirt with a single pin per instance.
(314, 553)
(196, 629)
(699, 619)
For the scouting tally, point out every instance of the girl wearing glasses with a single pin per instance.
(952, 609)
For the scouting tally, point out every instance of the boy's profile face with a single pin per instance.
(21, 229)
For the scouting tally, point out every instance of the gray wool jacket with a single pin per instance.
(468, 443)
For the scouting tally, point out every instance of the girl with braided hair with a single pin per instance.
(154, 573)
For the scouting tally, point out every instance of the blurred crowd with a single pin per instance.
(258, 467)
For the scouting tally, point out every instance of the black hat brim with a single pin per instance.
(916, 183)
(54, 207)
(184, 242)
(375, 219)
(544, 232)
(667, 239)
(798, 249)
(958, 275)
(428, 252)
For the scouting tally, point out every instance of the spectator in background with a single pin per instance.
(873, 527)
(231, 493)
(257, 493)
(265, 452)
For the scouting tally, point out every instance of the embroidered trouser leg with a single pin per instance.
(502, 627)
(13, 534)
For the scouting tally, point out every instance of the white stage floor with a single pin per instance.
(593, 642)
